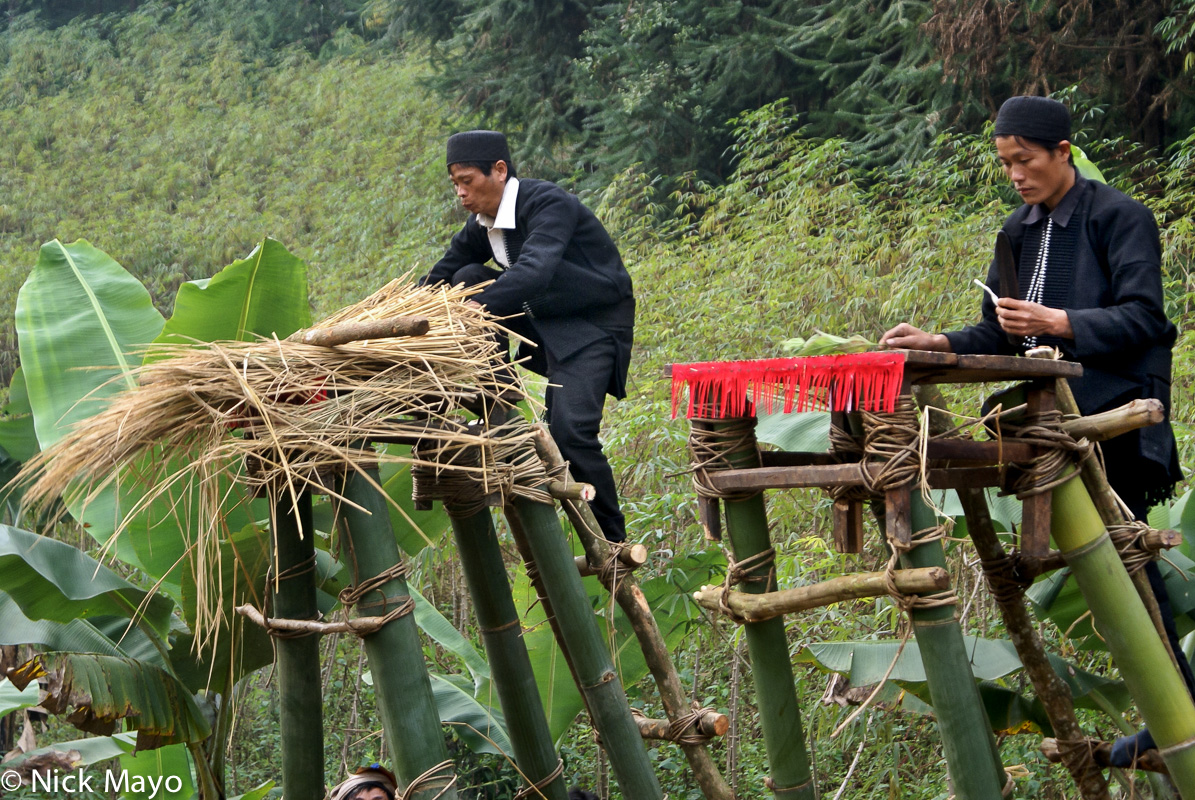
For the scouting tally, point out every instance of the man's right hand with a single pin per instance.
(906, 337)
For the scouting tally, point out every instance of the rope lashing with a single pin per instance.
(521, 471)
(442, 777)
(683, 730)
(304, 567)
(1079, 754)
(908, 602)
(1059, 453)
(747, 571)
(711, 444)
(537, 789)
(460, 492)
(1129, 538)
(892, 440)
(1006, 579)
(351, 595)
(612, 570)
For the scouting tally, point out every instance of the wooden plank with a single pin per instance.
(967, 450)
(795, 458)
(848, 526)
(1035, 510)
(709, 514)
(898, 519)
(813, 477)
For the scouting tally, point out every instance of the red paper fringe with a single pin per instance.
(869, 381)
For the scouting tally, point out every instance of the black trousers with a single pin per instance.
(575, 400)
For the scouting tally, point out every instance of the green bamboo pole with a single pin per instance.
(1127, 630)
(510, 666)
(301, 698)
(599, 681)
(405, 702)
(967, 740)
(767, 645)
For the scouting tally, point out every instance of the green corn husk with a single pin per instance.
(1129, 633)
(302, 729)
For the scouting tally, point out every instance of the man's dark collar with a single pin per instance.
(1065, 208)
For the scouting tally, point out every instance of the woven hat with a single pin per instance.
(484, 146)
(1035, 118)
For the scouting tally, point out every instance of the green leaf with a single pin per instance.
(18, 436)
(14, 699)
(80, 317)
(263, 294)
(866, 662)
(255, 794)
(480, 727)
(51, 580)
(803, 432)
(440, 630)
(145, 774)
(104, 690)
(98, 635)
(91, 750)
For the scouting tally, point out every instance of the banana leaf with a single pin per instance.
(14, 699)
(263, 294)
(803, 432)
(146, 773)
(440, 630)
(50, 580)
(103, 690)
(18, 436)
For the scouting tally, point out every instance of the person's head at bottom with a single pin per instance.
(374, 782)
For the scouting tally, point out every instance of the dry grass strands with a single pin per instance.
(211, 424)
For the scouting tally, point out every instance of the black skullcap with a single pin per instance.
(1035, 118)
(483, 146)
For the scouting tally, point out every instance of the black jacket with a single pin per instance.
(565, 274)
(1111, 289)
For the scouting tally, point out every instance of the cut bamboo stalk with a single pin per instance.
(1110, 424)
(759, 607)
(404, 694)
(301, 726)
(632, 556)
(1124, 624)
(767, 644)
(510, 666)
(345, 332)
(608, 707)
(967, 741)
(708, 723)
(571, 490)
(634, 605)
(1051, 690)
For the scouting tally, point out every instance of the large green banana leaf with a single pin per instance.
(77, 635)
(17, 434)
(440, 630)
(480, 726)
(14, 699)
(263, 294)
(80, 318)
(51, 580)
(103, 690)
(144, 774)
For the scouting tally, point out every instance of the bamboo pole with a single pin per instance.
(301, 728)
(767, 645)
(759, 607)
(404, 693)
(634, 605)
(1124, 623)
(967, 741)
(709, 723)
(594, 666)
(510, 666)
(1110, 424)
(346, 332)
(1051, 690)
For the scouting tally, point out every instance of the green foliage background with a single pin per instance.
(176, 136)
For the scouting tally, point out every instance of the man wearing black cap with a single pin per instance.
(1089, 267)
(556, 265)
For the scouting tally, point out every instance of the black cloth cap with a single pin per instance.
(482, 146)
(1034, 117)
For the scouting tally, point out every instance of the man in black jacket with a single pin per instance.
(556, 265)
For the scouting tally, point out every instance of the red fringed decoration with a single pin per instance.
(870, 381)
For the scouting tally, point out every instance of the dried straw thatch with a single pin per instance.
(279, 416)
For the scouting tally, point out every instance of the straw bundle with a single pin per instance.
(279, 416)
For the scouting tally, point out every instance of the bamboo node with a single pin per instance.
(537, 789)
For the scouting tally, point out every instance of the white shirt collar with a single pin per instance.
(505, 219)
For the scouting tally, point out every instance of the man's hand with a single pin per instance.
(906, 337)
(1022, 318)
(475, 304)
